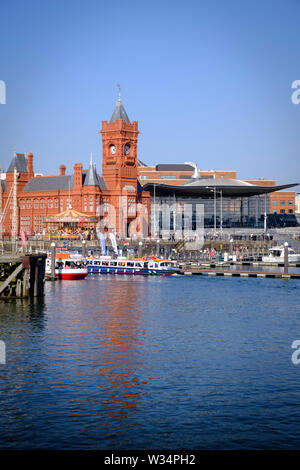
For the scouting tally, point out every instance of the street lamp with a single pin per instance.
(140, 249)
(215, 191)
(157, 247)
(83, 247)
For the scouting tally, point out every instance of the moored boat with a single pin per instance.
(276, 255)
(67, 268)
(143, 266)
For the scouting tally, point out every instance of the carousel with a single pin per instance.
(69, 224)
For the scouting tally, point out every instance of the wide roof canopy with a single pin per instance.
(207, 186)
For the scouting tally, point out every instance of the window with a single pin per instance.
(36, 203)
(282, 211)
(85, 204)
(50, 203)
(168, 177)
(291, 203)
(274, 203)
(28, 203)
(291, 211)
(42, 203)
(282, 203)
(69, 203)
(91, 204)
(143, 177)
(131, 206)
(274, 211)
(61, 205)
(22, 204)
(25, 223)
(38, 223)
(56, 203)
(104, 205)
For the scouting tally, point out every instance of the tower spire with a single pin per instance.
(119, 95)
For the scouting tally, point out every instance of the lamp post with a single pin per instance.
(215, 191)
(53, 255)
(286, 258)
(140, 248)
(83, 248)
(157, 247)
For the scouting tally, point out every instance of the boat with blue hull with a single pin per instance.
(135, 266)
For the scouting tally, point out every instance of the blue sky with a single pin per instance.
(208, 81)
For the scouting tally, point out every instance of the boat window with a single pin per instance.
(130, 264)
(156, 265)
(138, 264)
(104, 263)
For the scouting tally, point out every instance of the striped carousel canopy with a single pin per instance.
(71, 215)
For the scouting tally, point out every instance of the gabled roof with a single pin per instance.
(119, 113)
(19, 161)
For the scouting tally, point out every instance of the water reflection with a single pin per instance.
(118, 362)
(121, 356)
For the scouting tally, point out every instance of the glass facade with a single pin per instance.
(173, 214)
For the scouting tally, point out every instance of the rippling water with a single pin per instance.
(116, 362)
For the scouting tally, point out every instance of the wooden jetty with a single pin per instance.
(233, 273)
(22, 276)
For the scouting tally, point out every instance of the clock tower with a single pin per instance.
(119, 150)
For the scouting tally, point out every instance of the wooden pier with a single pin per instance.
(22, 276)
(233, 273)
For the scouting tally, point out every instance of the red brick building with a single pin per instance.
(115, 198)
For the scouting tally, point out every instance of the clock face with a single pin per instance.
(127, 149)
(113, 149)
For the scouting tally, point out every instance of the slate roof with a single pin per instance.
(119, 113)
(50, 183)
(174, 167)
(91, 178)
(19, 161)
(60, 183)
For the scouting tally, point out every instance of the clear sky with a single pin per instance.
(208, 81)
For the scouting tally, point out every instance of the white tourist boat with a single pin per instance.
(67, 268)
(143, 266)
(276, 255)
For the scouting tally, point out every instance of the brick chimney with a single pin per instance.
(77, 175)
(30, 165)
(62, 170)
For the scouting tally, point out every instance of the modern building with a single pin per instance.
(227, 201)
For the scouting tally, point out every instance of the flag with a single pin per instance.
(102, 243)
(23, 238)
(113, 242)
